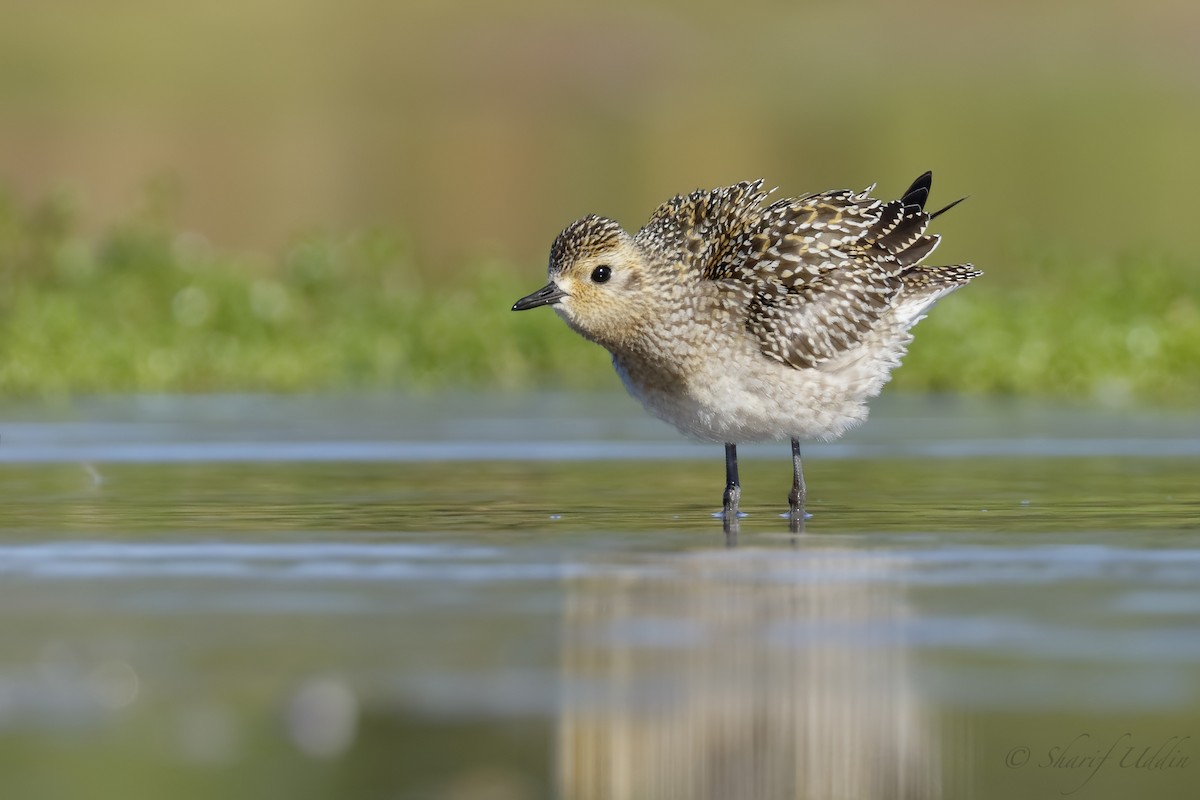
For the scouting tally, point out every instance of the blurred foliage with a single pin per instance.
(1114, 329)
(143, 308)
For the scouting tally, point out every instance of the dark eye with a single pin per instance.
(601, 274)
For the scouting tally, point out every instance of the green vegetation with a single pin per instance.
(1114, 329)
(143, 309)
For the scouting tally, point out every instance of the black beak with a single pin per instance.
(547, 295)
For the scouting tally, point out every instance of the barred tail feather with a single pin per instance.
(924, 286)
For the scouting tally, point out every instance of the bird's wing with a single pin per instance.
(701, 232)
(822, 270)
(813, 274)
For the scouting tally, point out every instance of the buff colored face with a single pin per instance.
(593, 284)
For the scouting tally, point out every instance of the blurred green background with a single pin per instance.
(316, 195)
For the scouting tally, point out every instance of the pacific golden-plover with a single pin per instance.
(737, 321)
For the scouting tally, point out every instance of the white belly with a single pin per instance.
(752, 398)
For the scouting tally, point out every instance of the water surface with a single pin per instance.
(529, 597)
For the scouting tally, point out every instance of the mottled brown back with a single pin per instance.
(814, 274)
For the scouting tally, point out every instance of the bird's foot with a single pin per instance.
(730, 501)
(796, 519)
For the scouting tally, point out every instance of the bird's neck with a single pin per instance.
(659, 340)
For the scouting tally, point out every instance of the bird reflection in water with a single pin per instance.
(744, 674)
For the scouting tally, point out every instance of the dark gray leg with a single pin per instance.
(797, 496)
(733, 489)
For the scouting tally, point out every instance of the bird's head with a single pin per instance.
(598, 281)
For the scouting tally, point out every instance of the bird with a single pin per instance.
(737, 320)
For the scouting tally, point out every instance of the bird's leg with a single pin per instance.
(733, 489)
(797, 496)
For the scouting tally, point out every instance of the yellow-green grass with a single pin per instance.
(143, 309)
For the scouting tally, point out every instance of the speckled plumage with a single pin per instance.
(736, 320)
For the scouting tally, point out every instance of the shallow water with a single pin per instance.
(529, 597)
